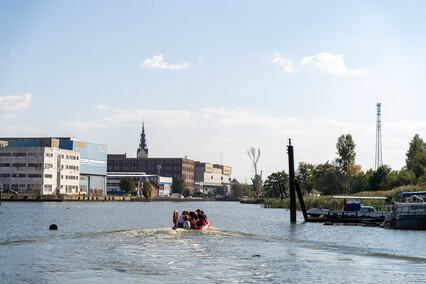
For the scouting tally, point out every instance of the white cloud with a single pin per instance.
(125, 118)
(101, 107)
(286, 64)
(322, 62)
(406, 127)
(336, 124)
(157, 62)
(240, 117)
(12, 103)
(330, 63)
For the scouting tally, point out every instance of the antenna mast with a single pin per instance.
(378, 137)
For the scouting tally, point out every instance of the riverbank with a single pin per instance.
(330, 203)
(100, 198)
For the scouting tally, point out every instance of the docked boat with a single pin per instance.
(409, 212)
(352, 212)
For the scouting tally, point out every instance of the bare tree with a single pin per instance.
(257, 180)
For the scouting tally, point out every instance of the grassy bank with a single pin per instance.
(330, 203)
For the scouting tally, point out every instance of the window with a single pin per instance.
(72, 157)
(47, 166)
(34, 165)
(48, 176)
(34, 175)
(4, 165)
(19, 154)
(49, 154)
(35, 154)
(19, 165)
(5, 154)
(48, 187)
(5, 175)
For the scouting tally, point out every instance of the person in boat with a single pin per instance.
(201, 220)
(182, 218)
(193, 219)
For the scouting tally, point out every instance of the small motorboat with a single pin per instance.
(187, 225)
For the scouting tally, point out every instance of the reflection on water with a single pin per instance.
(134, 243)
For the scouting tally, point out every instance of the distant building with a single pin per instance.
(212, 178)
(165, 167)
(53, 166)
(160, 186)
(142, 151)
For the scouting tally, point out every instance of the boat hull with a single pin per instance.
(206, 226)
(327, 215)
(410, 222)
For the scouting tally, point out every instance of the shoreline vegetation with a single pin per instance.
(328, 202)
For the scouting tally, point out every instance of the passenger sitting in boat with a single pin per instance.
(201, 220)
(182, 218)
(193, 220)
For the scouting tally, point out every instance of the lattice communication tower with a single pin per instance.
(378, 137)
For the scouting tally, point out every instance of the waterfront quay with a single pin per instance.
(92, 198)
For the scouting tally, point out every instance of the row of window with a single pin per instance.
(36, 176)
(21, 154)
(35, 165)
(21, 175)
(22, 187)
(21, 165)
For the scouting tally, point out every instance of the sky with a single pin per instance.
(211, 79)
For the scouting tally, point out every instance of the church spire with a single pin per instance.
(143, 149)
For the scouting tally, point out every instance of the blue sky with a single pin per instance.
(212, 79)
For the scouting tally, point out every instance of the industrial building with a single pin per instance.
(52, 166)
(212, 178)
(166, 167)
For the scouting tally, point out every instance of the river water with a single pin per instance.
(133, 242)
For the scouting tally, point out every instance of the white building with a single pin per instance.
(212, 178)
(42, 170)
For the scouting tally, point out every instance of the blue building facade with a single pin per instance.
(93, 164)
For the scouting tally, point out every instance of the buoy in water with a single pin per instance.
(53, 227)
(321, 216)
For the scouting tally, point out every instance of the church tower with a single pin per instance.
(142, 150)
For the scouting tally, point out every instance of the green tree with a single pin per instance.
(304, 175)
(377, 177)
(275, 184)
(417, 147)
(248, 190)
(345, 162)
(395, 179)
(326, 179)
(146, 189)
(346, 151)
(127, 184)
(419, 164)
(237, 190)
(179, 186)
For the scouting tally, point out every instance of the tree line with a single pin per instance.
(344, 176)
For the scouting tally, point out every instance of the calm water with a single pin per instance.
(134, 243)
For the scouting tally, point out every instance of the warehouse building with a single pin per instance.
(53, 166)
